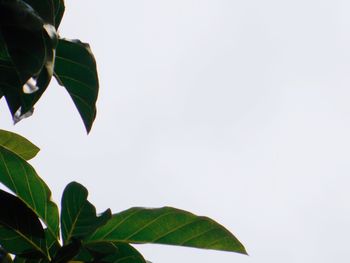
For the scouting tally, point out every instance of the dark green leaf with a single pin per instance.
(167, 226)
(18, 144)
(21, 178)
(21, 232)
(59, 11)
(27, 45)
(42, 80)
(67, 252)
(75, 69)
(45, 9)
(52, 243)
(124, 253)
(78, 215)
(17, 13)
(110, 252)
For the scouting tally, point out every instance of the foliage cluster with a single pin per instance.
(32, 229)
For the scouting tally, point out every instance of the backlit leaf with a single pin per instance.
(75, 69)
(78, 215)
(167, 226)
(21, 178)
(18, 144)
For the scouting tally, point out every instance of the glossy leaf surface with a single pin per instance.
(78, 216)
(21, 232)
(75, 69)
(18, 144)
(21, 178)
(167, 226)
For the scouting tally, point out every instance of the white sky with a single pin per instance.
(238, 110)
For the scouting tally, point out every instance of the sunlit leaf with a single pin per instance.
(167, 226)
(18, 144)
(75, 69)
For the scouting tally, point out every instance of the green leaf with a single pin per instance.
(75, 69)
(21, 232)
(110, 252)
(28, 39)
(52, 243)
(22, 30)
(18, 144)
(78, 215)
(21, 178)
(166, 226)
(124, 253)
(45, 9)
(59, 11)
(67, 252)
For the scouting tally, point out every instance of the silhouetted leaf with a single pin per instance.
(75, 69)
(18, 144)
(166, 226)
(26, 57)
(45, 9)
(21, 178)
(21, 232)
(59, 11)
(78, 215)
(67, 252)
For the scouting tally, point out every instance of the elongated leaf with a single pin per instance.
(28, 39)
(75, 69)
(22, 30)
(44, 77)
(21, 232)
(18, 144)
(167, 226)
(45, 9)
(78, 216)
(59, 11)
(21, 178)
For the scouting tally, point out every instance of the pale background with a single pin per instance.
(238, 110)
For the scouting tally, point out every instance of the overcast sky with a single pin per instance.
(238, 110)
